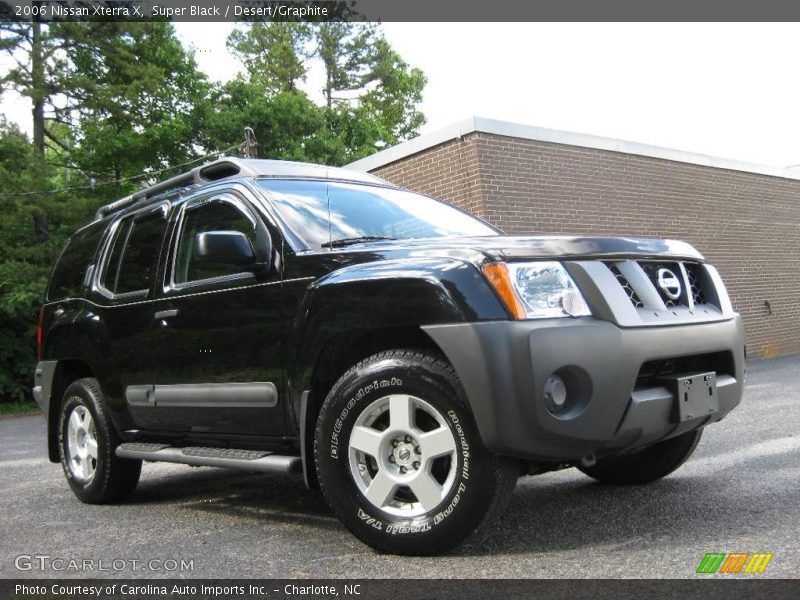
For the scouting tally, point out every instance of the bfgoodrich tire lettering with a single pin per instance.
(441, 483)
(107, 478)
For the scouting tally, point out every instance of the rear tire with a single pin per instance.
(645, 466)
(87, 441)
(399, 458)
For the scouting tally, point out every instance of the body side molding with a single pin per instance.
(260, 394)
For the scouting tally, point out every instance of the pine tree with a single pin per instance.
(369, 97)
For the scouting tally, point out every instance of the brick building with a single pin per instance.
(744, 218)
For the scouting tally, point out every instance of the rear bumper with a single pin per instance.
(504, 365)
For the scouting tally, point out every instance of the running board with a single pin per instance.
(229, 458)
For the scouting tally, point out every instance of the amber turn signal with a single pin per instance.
(500, 280)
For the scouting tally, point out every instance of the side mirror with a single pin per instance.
(224, 247)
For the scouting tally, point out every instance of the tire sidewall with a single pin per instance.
(359, 389)
(79, 394)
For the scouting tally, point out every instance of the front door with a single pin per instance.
(218, 328)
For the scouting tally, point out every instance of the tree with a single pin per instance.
(27, 252)
(140, 100)
(40, 54)
(125, 95)
(25, 44)
(345, 51)
(287, 124)
(274, 53)
(369, 97)
(391, 102)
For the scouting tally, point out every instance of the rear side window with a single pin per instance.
(131, 264)
(75, 260)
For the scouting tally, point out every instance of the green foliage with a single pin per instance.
(286, 124)
(346, 52)
(33, 229)
(118, 98)
(143, 101)
(19, 408)
(369, 96)
(274, 53)
(391, 104)
(20, 287)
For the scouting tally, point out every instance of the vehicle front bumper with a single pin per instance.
(503, 366)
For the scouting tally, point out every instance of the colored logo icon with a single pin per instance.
(735, 562)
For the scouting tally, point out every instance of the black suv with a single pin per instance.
(401, 354)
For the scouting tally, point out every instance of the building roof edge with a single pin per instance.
(530, 132)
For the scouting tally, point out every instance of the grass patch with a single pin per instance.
(18, 408)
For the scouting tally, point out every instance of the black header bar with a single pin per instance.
(401, 10)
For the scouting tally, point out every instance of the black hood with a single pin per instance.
(506, 247)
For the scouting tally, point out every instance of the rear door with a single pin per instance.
(218, 328)
(122, 299)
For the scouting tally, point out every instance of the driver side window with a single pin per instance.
(214, 215)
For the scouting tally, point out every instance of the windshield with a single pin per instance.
(325, 212)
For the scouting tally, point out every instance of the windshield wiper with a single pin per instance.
(354, 240)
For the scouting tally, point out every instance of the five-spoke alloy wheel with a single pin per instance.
(404, 465)
(81, 444)
(399, 458)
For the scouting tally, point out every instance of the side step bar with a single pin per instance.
(229, 458)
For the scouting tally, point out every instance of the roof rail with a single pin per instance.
(221, 168)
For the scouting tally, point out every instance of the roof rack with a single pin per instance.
(219, 169)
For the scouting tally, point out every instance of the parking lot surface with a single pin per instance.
(740, 492)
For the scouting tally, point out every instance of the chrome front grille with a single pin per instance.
(663, 285)
(655, 273)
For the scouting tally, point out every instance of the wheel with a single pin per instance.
(644, 466)
(399, 458)
(86, 442)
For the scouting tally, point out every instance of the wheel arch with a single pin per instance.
(361, 309)
(338, 355)
(67, 371)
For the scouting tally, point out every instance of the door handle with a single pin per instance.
(165, 314)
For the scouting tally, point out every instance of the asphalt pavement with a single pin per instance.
(740, 492)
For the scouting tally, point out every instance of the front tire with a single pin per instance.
(645, 466)
(87, 441)
(399, 458)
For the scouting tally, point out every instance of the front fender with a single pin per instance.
(409, 292)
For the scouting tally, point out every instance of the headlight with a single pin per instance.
(537, 290)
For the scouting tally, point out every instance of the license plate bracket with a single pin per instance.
(695, 395)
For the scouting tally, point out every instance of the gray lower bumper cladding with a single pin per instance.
(505, 366)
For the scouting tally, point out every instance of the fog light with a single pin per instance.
(555, 393)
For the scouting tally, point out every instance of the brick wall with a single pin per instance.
(747, 225)
(448, 171)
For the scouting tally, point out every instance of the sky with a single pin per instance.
(727, 90)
